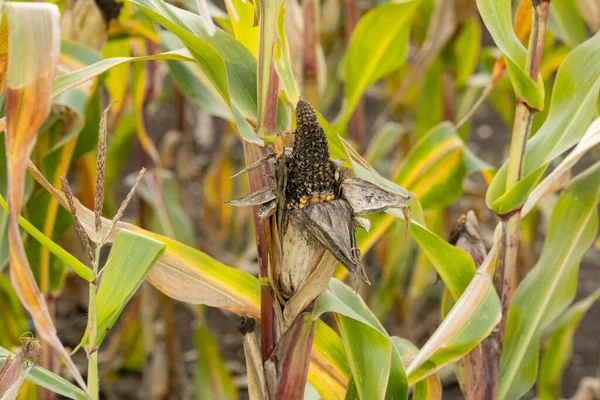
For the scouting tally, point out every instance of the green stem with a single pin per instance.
(504, 278)
(518, 144)
(92, 351)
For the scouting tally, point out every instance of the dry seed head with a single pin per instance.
(101, 168)
(78, 227)
(305, 114)
(32, 348)
(310, 170)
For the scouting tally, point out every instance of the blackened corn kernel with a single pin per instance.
(309, 170)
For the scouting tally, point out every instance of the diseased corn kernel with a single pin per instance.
(309, 169)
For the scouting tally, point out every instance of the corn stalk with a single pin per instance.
(268, 89)
(505, 275)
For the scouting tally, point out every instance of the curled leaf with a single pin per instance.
(367, 198)
(257, 198)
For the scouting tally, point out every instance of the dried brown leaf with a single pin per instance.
(255, 164)
(179, 273)
(263, 195)
(10, 372)
(101, 167)
(332, 225)
(311, 288)
(366, 198)
(257, 385)
(301, 254)
(362, 223)
(267, 209)
(31, 65)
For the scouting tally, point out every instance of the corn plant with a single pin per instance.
(351, 204)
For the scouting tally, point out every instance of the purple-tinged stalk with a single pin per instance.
(268, 92)
(296, 347)
(258, 179)
(505, 274)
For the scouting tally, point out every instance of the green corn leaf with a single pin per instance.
(369, 356)
(376, 366)
(331, 372)
(548, 289)
(383, 140)
(426, 389)
(69, 80)
(283, 62)
(131, 258)
(229, 66)
(378, 47)
(430, 104)
(192, 82)
(466, 49)
(497, 16)
(566, 22)
(558, 348)
(577, 78)
(46, 379)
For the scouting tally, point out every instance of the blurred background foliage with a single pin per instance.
(386, 74)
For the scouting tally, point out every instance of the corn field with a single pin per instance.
(299, 199)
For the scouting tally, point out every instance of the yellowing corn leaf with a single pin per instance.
(34, 45)
(242, 18)
(131, 258)
(283, 61)
(3, 54)
(139, 95)
(470, 321)
(189, 275)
